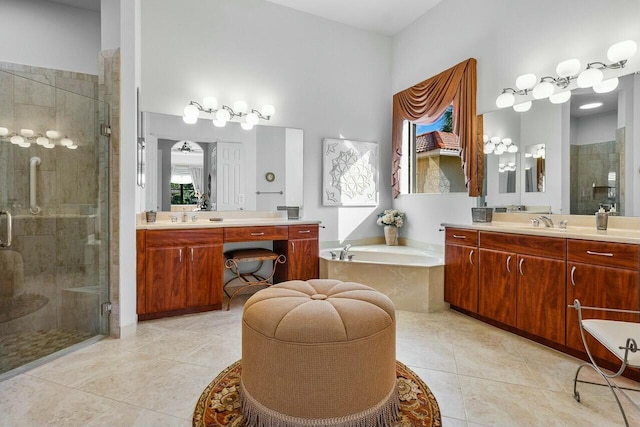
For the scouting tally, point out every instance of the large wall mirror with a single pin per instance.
(202, 167)
(572, 158)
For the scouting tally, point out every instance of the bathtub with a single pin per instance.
(413, 279)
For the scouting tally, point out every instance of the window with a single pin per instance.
(183, 194)
(433, 161)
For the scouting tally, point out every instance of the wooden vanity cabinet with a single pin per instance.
(522, 283)
(461, 268)
(182, 272)
(601, 274)
(302, 251)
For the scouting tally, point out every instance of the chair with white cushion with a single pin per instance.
(621, 339)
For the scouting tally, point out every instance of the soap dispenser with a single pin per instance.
(602, 218)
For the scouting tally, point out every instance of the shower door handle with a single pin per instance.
(9, 230)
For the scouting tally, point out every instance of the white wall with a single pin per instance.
(323, 77)
(50, 35)
(109, 24)
(508, 38)
(594, 128)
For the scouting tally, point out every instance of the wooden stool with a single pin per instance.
(233, 258)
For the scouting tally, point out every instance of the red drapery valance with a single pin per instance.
(428, 100)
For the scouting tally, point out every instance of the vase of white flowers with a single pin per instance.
(391, 219)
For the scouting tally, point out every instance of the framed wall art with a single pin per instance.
(350, 173)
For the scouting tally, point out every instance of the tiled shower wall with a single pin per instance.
(62, 250)
(590, 165)
(109, 91)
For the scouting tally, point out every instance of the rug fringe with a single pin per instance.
(383, 414)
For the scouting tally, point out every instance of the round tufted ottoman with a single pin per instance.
(319, 353)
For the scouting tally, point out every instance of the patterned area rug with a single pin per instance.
(219, 404)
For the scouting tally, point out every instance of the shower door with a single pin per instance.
(54, 201)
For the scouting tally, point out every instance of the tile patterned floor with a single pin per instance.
(19, 349)
(481, 376)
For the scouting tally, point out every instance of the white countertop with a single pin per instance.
(229, 219)
(620, 229)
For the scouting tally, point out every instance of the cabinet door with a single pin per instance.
(302, 261)
(497, 289)
(461, 277)
(165, 276)
(541, 297)
(598, 286)
(205, 275)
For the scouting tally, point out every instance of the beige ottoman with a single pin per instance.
(319, 353)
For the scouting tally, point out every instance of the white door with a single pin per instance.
(230, 176)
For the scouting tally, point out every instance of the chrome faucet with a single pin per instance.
(344, 253)
(547, 221)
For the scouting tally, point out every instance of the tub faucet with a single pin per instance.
(344, 253)
(547, 221)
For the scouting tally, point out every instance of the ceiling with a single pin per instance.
(82, 4)
(583, 96)
(386, 17)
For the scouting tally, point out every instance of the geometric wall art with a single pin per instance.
(350, 173)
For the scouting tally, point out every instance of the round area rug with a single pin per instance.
(219, 404)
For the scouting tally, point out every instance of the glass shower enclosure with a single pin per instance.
(54, 188)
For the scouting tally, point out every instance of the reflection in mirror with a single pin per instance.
(244, 156)
(507, 173)
(186, 185)
(534, 158)
(589, 153)
(597, 152)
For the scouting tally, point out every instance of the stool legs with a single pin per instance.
(232, 265)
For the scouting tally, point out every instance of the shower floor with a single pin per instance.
(19, 349)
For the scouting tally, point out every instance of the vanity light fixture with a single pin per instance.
(566, 72)
(249, 117)
(498, 146)
(26, 137)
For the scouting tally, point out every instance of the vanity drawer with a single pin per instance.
(461, 236)
(249, 234)
(548, 247)
(604, 253)
(303, 232)
(193, 236)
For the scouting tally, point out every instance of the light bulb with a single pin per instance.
(41, 140)
(27, 133)
(485, 138)
(489, 147)
(511, 164)
(621, 51)
(561, 97)
(527, 155)
(223, 115)
(507, 141)
(52, 134)
(252, 119)
(190, 120)
(219, 123)
(240, 106)
(268, 110)
(66, 142)
(191, 111)
(16, 139)
(543, 90)
(72, 146)
(4, 131)
(49, 145)
(589, 77)
(521, 108)
(590, 106)
(606, 86)
(568, 68)
(24, 144)
(495, 140)
(209, 103)
(512, 148)
(246, 126)
(505, 100)
(526, 81)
